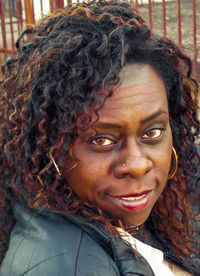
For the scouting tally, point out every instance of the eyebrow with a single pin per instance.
(106, 125)
(154, 115)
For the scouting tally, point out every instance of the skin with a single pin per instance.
(127, 157)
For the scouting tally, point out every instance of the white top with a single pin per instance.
(154, 257)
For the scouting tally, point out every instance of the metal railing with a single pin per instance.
(178, 19)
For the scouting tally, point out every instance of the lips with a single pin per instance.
(133, 202)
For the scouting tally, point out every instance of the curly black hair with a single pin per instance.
(69, 56)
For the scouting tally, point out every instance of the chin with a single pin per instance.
(138, 219)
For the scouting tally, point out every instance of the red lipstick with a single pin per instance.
(134, 202)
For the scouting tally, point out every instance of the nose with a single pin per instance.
(134, 165)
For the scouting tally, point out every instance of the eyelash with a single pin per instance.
(94, 140)
(152, 130)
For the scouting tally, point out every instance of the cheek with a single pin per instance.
(165, 161)
(86, 177)
(164, 167)
(161, 158)
(78, 181)
(165, 153)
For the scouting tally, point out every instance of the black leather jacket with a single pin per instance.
(54, 245)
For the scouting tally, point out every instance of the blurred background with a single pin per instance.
(177, 19)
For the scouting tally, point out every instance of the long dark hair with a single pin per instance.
(69, 56)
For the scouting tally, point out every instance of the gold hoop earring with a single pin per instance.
(72, 156)
(69, 169)
(56, 166)
(72, 167)
(175, 164)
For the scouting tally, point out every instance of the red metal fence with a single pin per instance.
(178, 19)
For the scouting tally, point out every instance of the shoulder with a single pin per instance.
(43, 246)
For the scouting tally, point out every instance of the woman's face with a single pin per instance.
(123, 161)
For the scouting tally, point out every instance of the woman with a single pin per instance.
(94, 111)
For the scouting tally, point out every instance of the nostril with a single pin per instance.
(119, 170)
(136, 166)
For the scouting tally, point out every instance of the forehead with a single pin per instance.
(140, 93)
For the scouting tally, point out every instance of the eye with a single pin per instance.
(152, 134)
(102, 141)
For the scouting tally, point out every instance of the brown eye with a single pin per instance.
(152, 134)
(101, 141)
